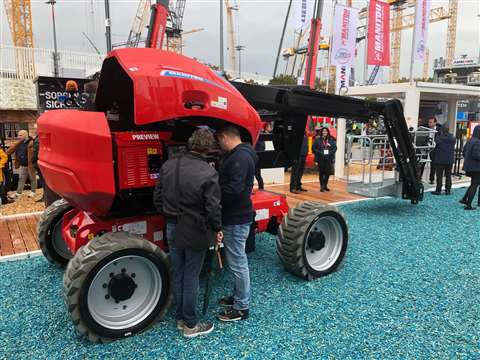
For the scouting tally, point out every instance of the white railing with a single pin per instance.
(26, 63)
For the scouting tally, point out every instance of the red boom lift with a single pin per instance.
(105, 163)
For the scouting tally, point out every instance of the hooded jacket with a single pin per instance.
(471, 152)
(3, 162)
(236, 172)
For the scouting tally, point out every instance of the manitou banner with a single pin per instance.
(344, 36)
(422, 18)
(342, 79)
(378, 33)
(303, 13)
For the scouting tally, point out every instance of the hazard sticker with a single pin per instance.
(262, 214)
(221, 103)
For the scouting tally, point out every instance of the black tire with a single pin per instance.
(300, 238)
(85, 272)
(49, 234)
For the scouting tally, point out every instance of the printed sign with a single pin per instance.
(221, 103)
(422, 18)
(303, 13)
(344, 35)
(52, 94)
(378, 33)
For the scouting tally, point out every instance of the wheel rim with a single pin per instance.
(124, 292)
(58, 243)
(323, 243)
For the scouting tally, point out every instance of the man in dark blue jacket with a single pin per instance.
(471, 165)
(444, 158)
(298, 167)
(236, 182)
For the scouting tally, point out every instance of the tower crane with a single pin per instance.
(139, 23)
(174, 32)
(19, 15)
(232, 56)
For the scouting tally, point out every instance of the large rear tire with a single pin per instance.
(49, 234)
(117, 285)
(312, 240)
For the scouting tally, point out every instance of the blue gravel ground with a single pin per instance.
(409, 288)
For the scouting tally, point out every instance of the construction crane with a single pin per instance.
(19, 17)
(232, 56)
(174, 32)
(139, 23)
(401, 22)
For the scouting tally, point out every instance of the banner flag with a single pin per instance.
(422, 19)
(303, 13)
(378, 33)
(344, 36)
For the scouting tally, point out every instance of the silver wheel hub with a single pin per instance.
(58, 242)
(124, 292)
(323, 243)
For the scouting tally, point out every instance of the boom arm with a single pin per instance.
(158, 24)
(289, 108)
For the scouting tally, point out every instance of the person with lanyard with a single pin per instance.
(324, 149)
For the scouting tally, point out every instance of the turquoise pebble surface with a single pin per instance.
(409, 288)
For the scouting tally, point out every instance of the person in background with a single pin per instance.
(444, 158)
(188, 188)
(23, 150)
(259, 147)
(471, 166)
(236, 172)
(432, 124)
(324, 149)
(3, 163)
(298, 167)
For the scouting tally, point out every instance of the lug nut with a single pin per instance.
(104, 286)
(116, 301)
(111, 275)
(124, 270)
(133, 275)
(107, 296)
(124, 307)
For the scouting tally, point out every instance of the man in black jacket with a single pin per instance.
(471, 165)
(298, 167)
(236, 181)
(188, 186)
(444, 157)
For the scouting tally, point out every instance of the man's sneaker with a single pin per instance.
(226, 301)
(233, 315)
(199, 329)
(180, 324)
(31, 194)
(463, 201)
(14, 196)
(436, 192)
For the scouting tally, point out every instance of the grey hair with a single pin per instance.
(202, 140)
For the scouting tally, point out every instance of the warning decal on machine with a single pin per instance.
(221, 103)
(262, 214)
(139, 227)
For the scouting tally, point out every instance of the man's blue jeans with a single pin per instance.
(186, 267)
(234, 240)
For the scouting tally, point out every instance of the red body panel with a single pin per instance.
(79, 226)
(76, 158)
(164, 82)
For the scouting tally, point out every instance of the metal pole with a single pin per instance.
(414, 38)
(281, 38)
(108, 33)
(222, 62)
(365, 69)
(55, 53)
(239, 48)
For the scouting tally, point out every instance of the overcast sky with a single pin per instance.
(259, 24)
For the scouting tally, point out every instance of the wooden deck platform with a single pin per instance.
(18, 233)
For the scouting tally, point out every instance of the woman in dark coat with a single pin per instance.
(471, 165)
(324, 148)
(444, 158)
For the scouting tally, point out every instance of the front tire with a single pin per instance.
(49, 234)
(117, 285)
(312, 240)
